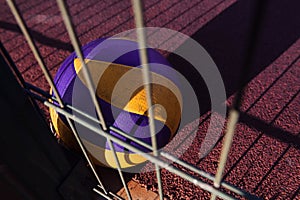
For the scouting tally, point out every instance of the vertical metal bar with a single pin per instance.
(150, 157)
(232, 121)
(208, 176)
(91, 87)
(116, 197)
(38, 57)
(84, 151)
(234, 112)
(139, 22)
(103, 195)
(119, 168)
(19, 76)
(33, 47)
(76, 45)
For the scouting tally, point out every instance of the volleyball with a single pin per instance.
(116, 72)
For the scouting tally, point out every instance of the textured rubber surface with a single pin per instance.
(265, 154)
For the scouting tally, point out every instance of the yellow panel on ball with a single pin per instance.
(115, 69)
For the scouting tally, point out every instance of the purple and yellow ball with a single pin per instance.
(113, 61)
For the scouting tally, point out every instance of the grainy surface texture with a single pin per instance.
(265, 155)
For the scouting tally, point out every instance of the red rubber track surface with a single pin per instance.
(265, 156)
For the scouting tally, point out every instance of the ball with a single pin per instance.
(116, 72)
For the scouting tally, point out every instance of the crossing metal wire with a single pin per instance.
(155, 157)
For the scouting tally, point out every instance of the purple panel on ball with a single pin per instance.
(137, 125)
(126, 52)
(66, 73)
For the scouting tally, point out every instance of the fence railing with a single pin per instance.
(156, 157)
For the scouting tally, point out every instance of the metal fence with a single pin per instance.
(219, 188)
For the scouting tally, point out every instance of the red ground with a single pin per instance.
(265, 156)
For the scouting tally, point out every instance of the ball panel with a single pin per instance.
(137, 126)
(170, 115)
(167, 95)
(107, 75)
(99, 155)
(105, 157)
(64, 132)
(65, 74)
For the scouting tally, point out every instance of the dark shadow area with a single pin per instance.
(226, 39)
(271, 131)
(112, 179)
(39, 37)
(267, 128)
(274, 83)
(32, 164)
